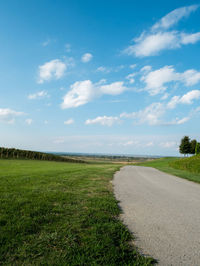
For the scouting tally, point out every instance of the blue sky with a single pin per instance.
(99, 76)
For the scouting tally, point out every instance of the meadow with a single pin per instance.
(56, 213)
(188, 168)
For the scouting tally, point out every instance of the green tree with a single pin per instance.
(193, 144)
(197, 148)
(185, 146)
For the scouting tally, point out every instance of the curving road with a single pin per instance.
(163, 212)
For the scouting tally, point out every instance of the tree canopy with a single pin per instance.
(188, 146)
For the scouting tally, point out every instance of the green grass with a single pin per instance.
(55, 213)
(170, 165)
(191, 164)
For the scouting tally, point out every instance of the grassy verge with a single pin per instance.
(55, 213)
(168, 165)
(191, 164)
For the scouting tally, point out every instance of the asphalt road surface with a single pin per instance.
(163, 212)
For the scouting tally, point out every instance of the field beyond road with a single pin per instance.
(55, 213)
(188, 168)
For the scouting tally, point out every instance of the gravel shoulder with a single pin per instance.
(163, 212)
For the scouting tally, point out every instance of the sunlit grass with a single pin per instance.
(177, 167)
(55, 213)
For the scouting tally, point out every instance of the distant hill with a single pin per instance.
(11, 153)
(191, 164)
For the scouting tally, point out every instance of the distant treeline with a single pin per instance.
(105, 156)
(11, 153)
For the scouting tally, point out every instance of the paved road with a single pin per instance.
(163, 212)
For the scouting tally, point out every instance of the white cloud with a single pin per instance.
(177, 121)
(132, 66)
(103, 69)
(54, 69)
(150, 115)
(86, 57)
(165, 96)
(174, 16)
(130, 77)
(8, 115)
(146, 69)
(190, 77)
(38, 95)
(110, 69)
(168, 144)
(130, 143)
(82, 92)
(153, 115)
(190, 38)
(156, 80)
(69, 121)
(114, 88)
(46, 43)
(29, 121)
(187, 98)
(155, 40)
(152, 44)
(183, 120)
(103, 120)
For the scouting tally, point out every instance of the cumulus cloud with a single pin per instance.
(8, 115)
(190, 77)
(82, 92)
(103, 120)
(156, 80)
(38, 95)
(155, 40)
(54, 69)
(69, 121)
(114, 88)
(187, 98)
(86, 57)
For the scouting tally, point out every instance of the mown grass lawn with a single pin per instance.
(173, 166)
(54, 213)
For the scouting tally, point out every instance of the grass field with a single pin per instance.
(176, 166)
(191, 164)
(55, 213)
